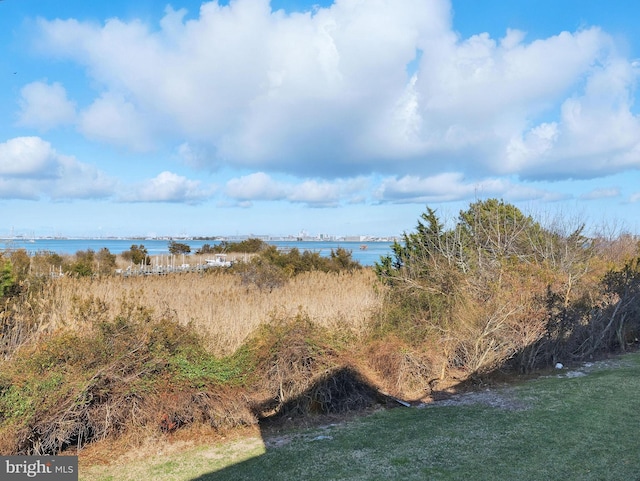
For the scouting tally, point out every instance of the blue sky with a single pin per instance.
(338, 118)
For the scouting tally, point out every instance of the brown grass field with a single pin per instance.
(215, 304)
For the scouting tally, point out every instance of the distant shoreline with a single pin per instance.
(357, 238)
(367, 252)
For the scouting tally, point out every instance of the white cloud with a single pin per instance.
(452, 186)
(45, 106)
(260, 186)
(256, 186)
(598, 194)
(111, 118)
(169, 187)
(30, 168)
(316, 193)
(197, 156)
(327, 94)
(27, 157)
(535, 147)
(81, 181)
(597, 134)
(24, 189)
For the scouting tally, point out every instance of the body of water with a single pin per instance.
(367, 253)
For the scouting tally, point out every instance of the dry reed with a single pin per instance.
(217, 305)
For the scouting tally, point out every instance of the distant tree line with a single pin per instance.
(247, 246)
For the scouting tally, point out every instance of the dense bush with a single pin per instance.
(500, 288)
(603, 319)
(89, 263)
(137, 254)
(140, 375)
(177, 248)
(138, 372)
(248, 246)
(294, 262)
(271, 267)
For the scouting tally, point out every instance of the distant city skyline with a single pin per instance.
(339, 118)
(303, 235)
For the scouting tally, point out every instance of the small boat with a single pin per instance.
(220, 260)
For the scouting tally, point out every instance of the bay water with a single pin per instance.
(366, 253)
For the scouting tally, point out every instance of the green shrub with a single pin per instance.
(137, 254)
(135, 371)
(271, 267)
(177, 248)
(247, 246)
(7, 280)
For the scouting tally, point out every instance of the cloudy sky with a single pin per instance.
(334, 117)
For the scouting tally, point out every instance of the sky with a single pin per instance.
(345, 117)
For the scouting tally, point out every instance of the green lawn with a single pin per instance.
(567, 426)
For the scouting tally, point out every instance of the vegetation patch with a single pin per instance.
(500, 290)
(132, 375)
(292, 356)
